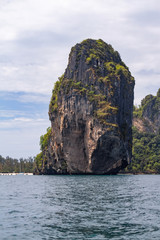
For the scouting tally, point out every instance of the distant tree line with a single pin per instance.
(146, 153)
(11, 165)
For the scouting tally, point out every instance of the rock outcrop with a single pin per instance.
(147, 116)
(146, 136)
(90, 113)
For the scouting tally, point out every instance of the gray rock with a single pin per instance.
(91, 113)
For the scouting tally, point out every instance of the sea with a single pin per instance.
(121, 207)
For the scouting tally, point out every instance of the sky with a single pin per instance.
(36, 37)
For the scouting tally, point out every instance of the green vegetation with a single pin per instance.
(105, 110)
(117, 71)
(54, 99)
(110, 58)
(137, 112)
(46, 154)
(149, 105)
(104, 66)
(11, 165)
(146, 145)
(99, 50)
(91, 57)
(67, 85)
(44, 139)
(146, 153)
(39, 160)
(44, 143)
(102, 55)
(146, 100)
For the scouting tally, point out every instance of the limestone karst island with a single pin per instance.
(91, 114)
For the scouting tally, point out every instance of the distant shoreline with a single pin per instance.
(30, 174)
(138, 173)
(14, 174)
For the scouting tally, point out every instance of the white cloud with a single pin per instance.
(36, 37)
(20, 143)
(38, 54)
(22, 122)
(34, 98)
(9, 114)
(17, 16)
(20, 136)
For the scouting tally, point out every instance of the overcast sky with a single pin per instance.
(35, 40)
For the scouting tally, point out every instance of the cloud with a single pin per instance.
(21, 142)
(9, 114)
(20, 136)
(39, 52)
(35, 41)
(22, 123)
(147, 18)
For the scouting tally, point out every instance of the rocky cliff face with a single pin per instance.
(90, 113)
(146, 136)
(147, 116)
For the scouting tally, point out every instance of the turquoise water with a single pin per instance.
(80, 207)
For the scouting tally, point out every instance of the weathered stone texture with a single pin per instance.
(91, 113)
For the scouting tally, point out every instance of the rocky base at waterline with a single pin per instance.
(90, 113)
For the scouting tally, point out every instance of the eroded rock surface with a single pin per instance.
(147, 116)
(90, 113)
